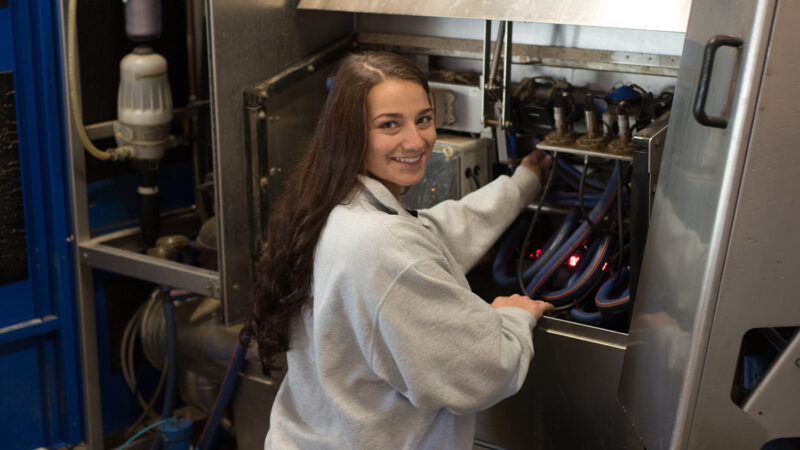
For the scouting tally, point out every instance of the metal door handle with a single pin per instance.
(709, 53)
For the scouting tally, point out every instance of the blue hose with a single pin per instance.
(614, 295)
(513, 238)
(576, 239)
(171, 390)
(511, 142)
(225, 392)
(588, 271)
(589, 318)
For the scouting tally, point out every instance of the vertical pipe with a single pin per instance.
(498, 47)
(507, 38)
(148, 202)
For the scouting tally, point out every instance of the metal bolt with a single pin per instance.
(310, 68)
(263, 95)
(262, 115)
(235, 287)
(264, 181)
(85, 255)
(797, 363)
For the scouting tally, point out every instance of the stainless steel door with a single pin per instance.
(689, 320)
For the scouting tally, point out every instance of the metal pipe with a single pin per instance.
(498, 46)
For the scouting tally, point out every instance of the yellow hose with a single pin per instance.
(114, 153)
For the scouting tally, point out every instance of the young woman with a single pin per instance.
(386, 345)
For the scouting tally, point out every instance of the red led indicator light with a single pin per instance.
(573, 260)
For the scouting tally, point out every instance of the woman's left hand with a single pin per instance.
(538, 161)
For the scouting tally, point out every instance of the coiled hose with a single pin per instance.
(588, 271)
(577, 238)
(512, 240)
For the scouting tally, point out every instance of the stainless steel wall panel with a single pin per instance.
(690, 227)
(249, 41)
(642, 14)
(569, 399)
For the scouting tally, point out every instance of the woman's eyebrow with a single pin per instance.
(398, 115)
(388, 115)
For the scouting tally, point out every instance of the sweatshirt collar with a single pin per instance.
(384, 196)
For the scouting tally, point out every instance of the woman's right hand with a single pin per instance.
(537, 161)
(535, 307)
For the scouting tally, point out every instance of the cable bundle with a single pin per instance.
(599, 235)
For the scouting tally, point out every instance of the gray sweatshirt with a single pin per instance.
(396, 351)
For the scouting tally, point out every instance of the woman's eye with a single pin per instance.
(425, 120)
(388, 125)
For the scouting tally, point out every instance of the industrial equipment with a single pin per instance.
(659, 235)
(458, 166)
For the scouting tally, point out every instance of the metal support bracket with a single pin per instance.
(98, 254)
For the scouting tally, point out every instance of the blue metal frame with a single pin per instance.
(39, 360)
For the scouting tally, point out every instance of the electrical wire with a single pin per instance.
(533, 224)
(575, 174)
(127, 349)
(149, 407)
(595, 227)
(144, 430)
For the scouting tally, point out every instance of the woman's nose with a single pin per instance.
(412, 139)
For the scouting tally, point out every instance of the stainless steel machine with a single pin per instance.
(715, 188)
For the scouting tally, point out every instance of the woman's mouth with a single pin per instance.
(411, 160)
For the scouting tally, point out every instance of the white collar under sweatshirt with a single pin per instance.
(396, 351)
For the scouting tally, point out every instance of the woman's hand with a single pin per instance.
(538, 161)
(535, 307)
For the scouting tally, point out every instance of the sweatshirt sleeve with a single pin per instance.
(468, 227)
(442, 346)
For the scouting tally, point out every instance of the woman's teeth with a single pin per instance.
(409, 160)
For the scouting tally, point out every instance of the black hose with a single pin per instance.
(148, 204)
(595, 227)
(525, 241)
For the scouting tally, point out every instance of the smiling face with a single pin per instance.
(400, 133)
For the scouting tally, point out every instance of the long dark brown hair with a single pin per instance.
(326, 173)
